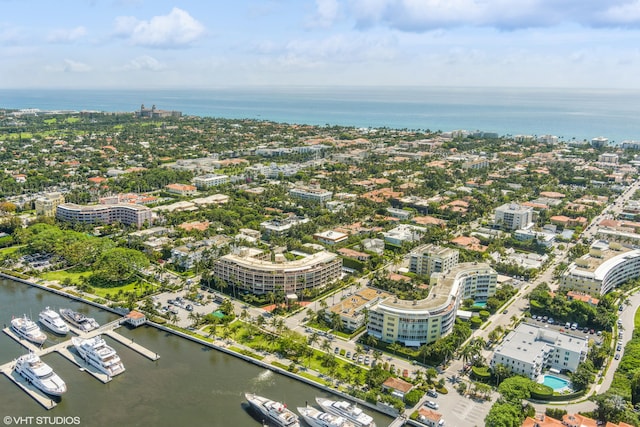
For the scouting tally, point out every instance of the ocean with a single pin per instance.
(567, 113)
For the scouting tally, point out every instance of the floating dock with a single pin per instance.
(36, 394)
(132, 345)
(63, 349)
(82, 364)
(22, 341)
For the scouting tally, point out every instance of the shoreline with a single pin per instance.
(381, 409)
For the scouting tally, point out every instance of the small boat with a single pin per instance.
(96, 352)
(79, 320)
(273, 411)
(38, 373)
(316, 418)
(347, 410)
(52, 321)
(28, 329)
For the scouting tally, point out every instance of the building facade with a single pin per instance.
(203, 182)
(47, 205)
(124, 213)
(429, 259)
(606, 266)
(414, 323)
(512, 216)
(251, 271)
(529, 349)
(317, 195)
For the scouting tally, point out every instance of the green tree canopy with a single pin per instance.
(119, 265)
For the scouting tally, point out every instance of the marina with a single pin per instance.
(211, 381)
(63, 349)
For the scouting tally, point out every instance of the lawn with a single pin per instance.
(239, 333)
(10, 250)
(61, 275)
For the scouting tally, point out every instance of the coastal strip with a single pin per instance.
(389, 411)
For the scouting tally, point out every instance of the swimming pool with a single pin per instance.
(481, 304)
(556, 383)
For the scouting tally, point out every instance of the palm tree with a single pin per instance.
(313, 338)
(447, 352)
(514, 319)
(466, 353)
(500, 372)
(394, 346)
(371, 340)
(430, 374)
(336, 321)
(325, 346)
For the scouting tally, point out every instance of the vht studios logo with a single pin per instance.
(43, 421)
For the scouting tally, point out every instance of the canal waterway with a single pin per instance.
(190, 385)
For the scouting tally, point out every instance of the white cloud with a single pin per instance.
(623, 14)
(426, 15)
(326, 13)
(144, 62)
(10, 35)
(69, 66)
(176, 29)
(66, 35)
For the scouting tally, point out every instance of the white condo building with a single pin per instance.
(253, 271)
(414, 323)
(311, 193)
(606, 266)
(512, 216)
(203, 182)
(124, 213)
(529, 349)
(428, 259)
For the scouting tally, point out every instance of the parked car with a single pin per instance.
(431, 404)
(348, 355)
(617, 356)
(336, 350)
(432, 393)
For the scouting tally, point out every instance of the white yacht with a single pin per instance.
(52, 321)
(38, 373)
(272, 411)
(96, 352)
(347, 410)
(79, 320)
(316, 418)
(28, 329)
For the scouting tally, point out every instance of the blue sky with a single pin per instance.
(226, 43)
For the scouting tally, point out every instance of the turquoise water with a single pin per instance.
(555, 383)
(481, 304)
(566, 113)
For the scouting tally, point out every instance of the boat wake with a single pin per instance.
(265, 377)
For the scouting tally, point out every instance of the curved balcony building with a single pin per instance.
(253, 273)
(605, 267)
(414, 323)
